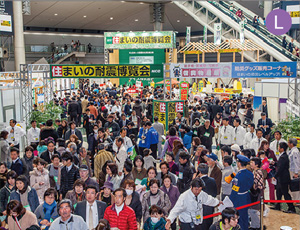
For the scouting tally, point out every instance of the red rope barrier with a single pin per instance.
(255, 203)
(281, 201)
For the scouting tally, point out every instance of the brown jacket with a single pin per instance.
(84, 105)
(216, 173)
(26, 221)
(100, 159)
(72, 196)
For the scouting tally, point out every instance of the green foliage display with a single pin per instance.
(51, 111)
(289, 127)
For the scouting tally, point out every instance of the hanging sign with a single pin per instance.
(104, 71)
(139, 40)
(188, 35)
(184, 88)
(217, 33)
(200, 70)
(205, 35)
(200, 86)
(242, 30)
(168, 85)
(194, 88)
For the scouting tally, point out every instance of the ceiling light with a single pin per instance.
(136, 20)
(178, 20)
(84, 16)
(122, 1)
(55, 14)
(141, 3)
(111, 18)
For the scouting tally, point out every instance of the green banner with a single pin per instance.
(105, 71)
(139, 40)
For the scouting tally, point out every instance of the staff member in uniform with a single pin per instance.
(241, 184)
(15, 133)
(33, 135)
(189, 206)
(225, 133)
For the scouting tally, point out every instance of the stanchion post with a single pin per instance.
(261, 212)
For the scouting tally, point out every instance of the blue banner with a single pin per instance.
(264, 69)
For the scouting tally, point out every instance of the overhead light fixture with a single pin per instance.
(122, 1)
(84, 16)
(111, 18)
(141, 3)
(136, 20)
(178, 20)
(55, 14)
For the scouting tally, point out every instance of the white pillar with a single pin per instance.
(268, 6)
(18, 35)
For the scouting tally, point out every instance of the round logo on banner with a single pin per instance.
(278, 22)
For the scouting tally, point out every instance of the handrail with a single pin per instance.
(266, 36)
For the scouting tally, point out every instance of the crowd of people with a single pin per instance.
(109, 164)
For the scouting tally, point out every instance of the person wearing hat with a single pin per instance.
(241, 184)
(186, 172)
(235, 150)
(67, 220)
(225, 133)
(112, 127)
(84, 175)
(91, 209)
(74, 131)
(214, 171)
(274, 145)
(106, 193)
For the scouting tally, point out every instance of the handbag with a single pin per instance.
(295, 185)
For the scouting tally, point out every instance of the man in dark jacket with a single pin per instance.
(74, 110)
(112, 126)
(75, 131)
(138, 108)
(206, 133)
(195, 114)
(265, 124)
(216, 108)
(46, 155)
(210, 189)
(214, 170)
(79, 112)
(69, 174)
(283, 177)
(48, 131)
(186, 172)
(123, 122)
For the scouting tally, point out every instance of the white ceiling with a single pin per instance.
(70, 14)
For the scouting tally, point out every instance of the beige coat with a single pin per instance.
(26, 221)
(35, 178)
(99, 161)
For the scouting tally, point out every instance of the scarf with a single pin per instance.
(48, 210)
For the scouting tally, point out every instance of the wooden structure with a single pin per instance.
(227, 46)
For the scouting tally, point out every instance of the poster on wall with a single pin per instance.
(157, 112)
(217, 33)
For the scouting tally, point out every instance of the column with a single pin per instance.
(157, 13)
(268, 6)
(19, 47)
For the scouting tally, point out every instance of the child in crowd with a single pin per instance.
(156, 220)
(148, 159)
(41, 147)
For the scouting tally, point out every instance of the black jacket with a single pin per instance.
(115, 129)
(136, 205)
(45, 156)
(74, 108)
(187, 172)
(48, 132)
(268, 122)
(282, 170)
(68, 178)
(4, 195)
(61, 131)
(202, 133)
(80, 209)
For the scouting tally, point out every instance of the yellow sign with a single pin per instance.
(192, 52)
(229, 50)
(157, 111)
(218, 90)
(171, 113)
(5, 23)
(194, 88)
(228, 90)
(87, 71)
(295, 14)
(298, 141)
(200, 86)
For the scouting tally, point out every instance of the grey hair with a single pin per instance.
(203, 168)
(201, 146)
(293, 141)
(73, 146)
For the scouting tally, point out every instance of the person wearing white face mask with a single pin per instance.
(133, 200)
(155, 221)
(249, 136)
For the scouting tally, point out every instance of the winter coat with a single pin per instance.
(136, 205)
(113, 128)
(72, 196)
(28, 162)
(61, 131)
(160, 225)
(163, 202)
(68, 178)
(4, 151)
(187, 139)
(100, 159)
(138, 108)
(48, 131)
(186, 173)
(33, 199)
(36, 177)
(40, 213)
(5, 197)
(27, 220)
(126, 219)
